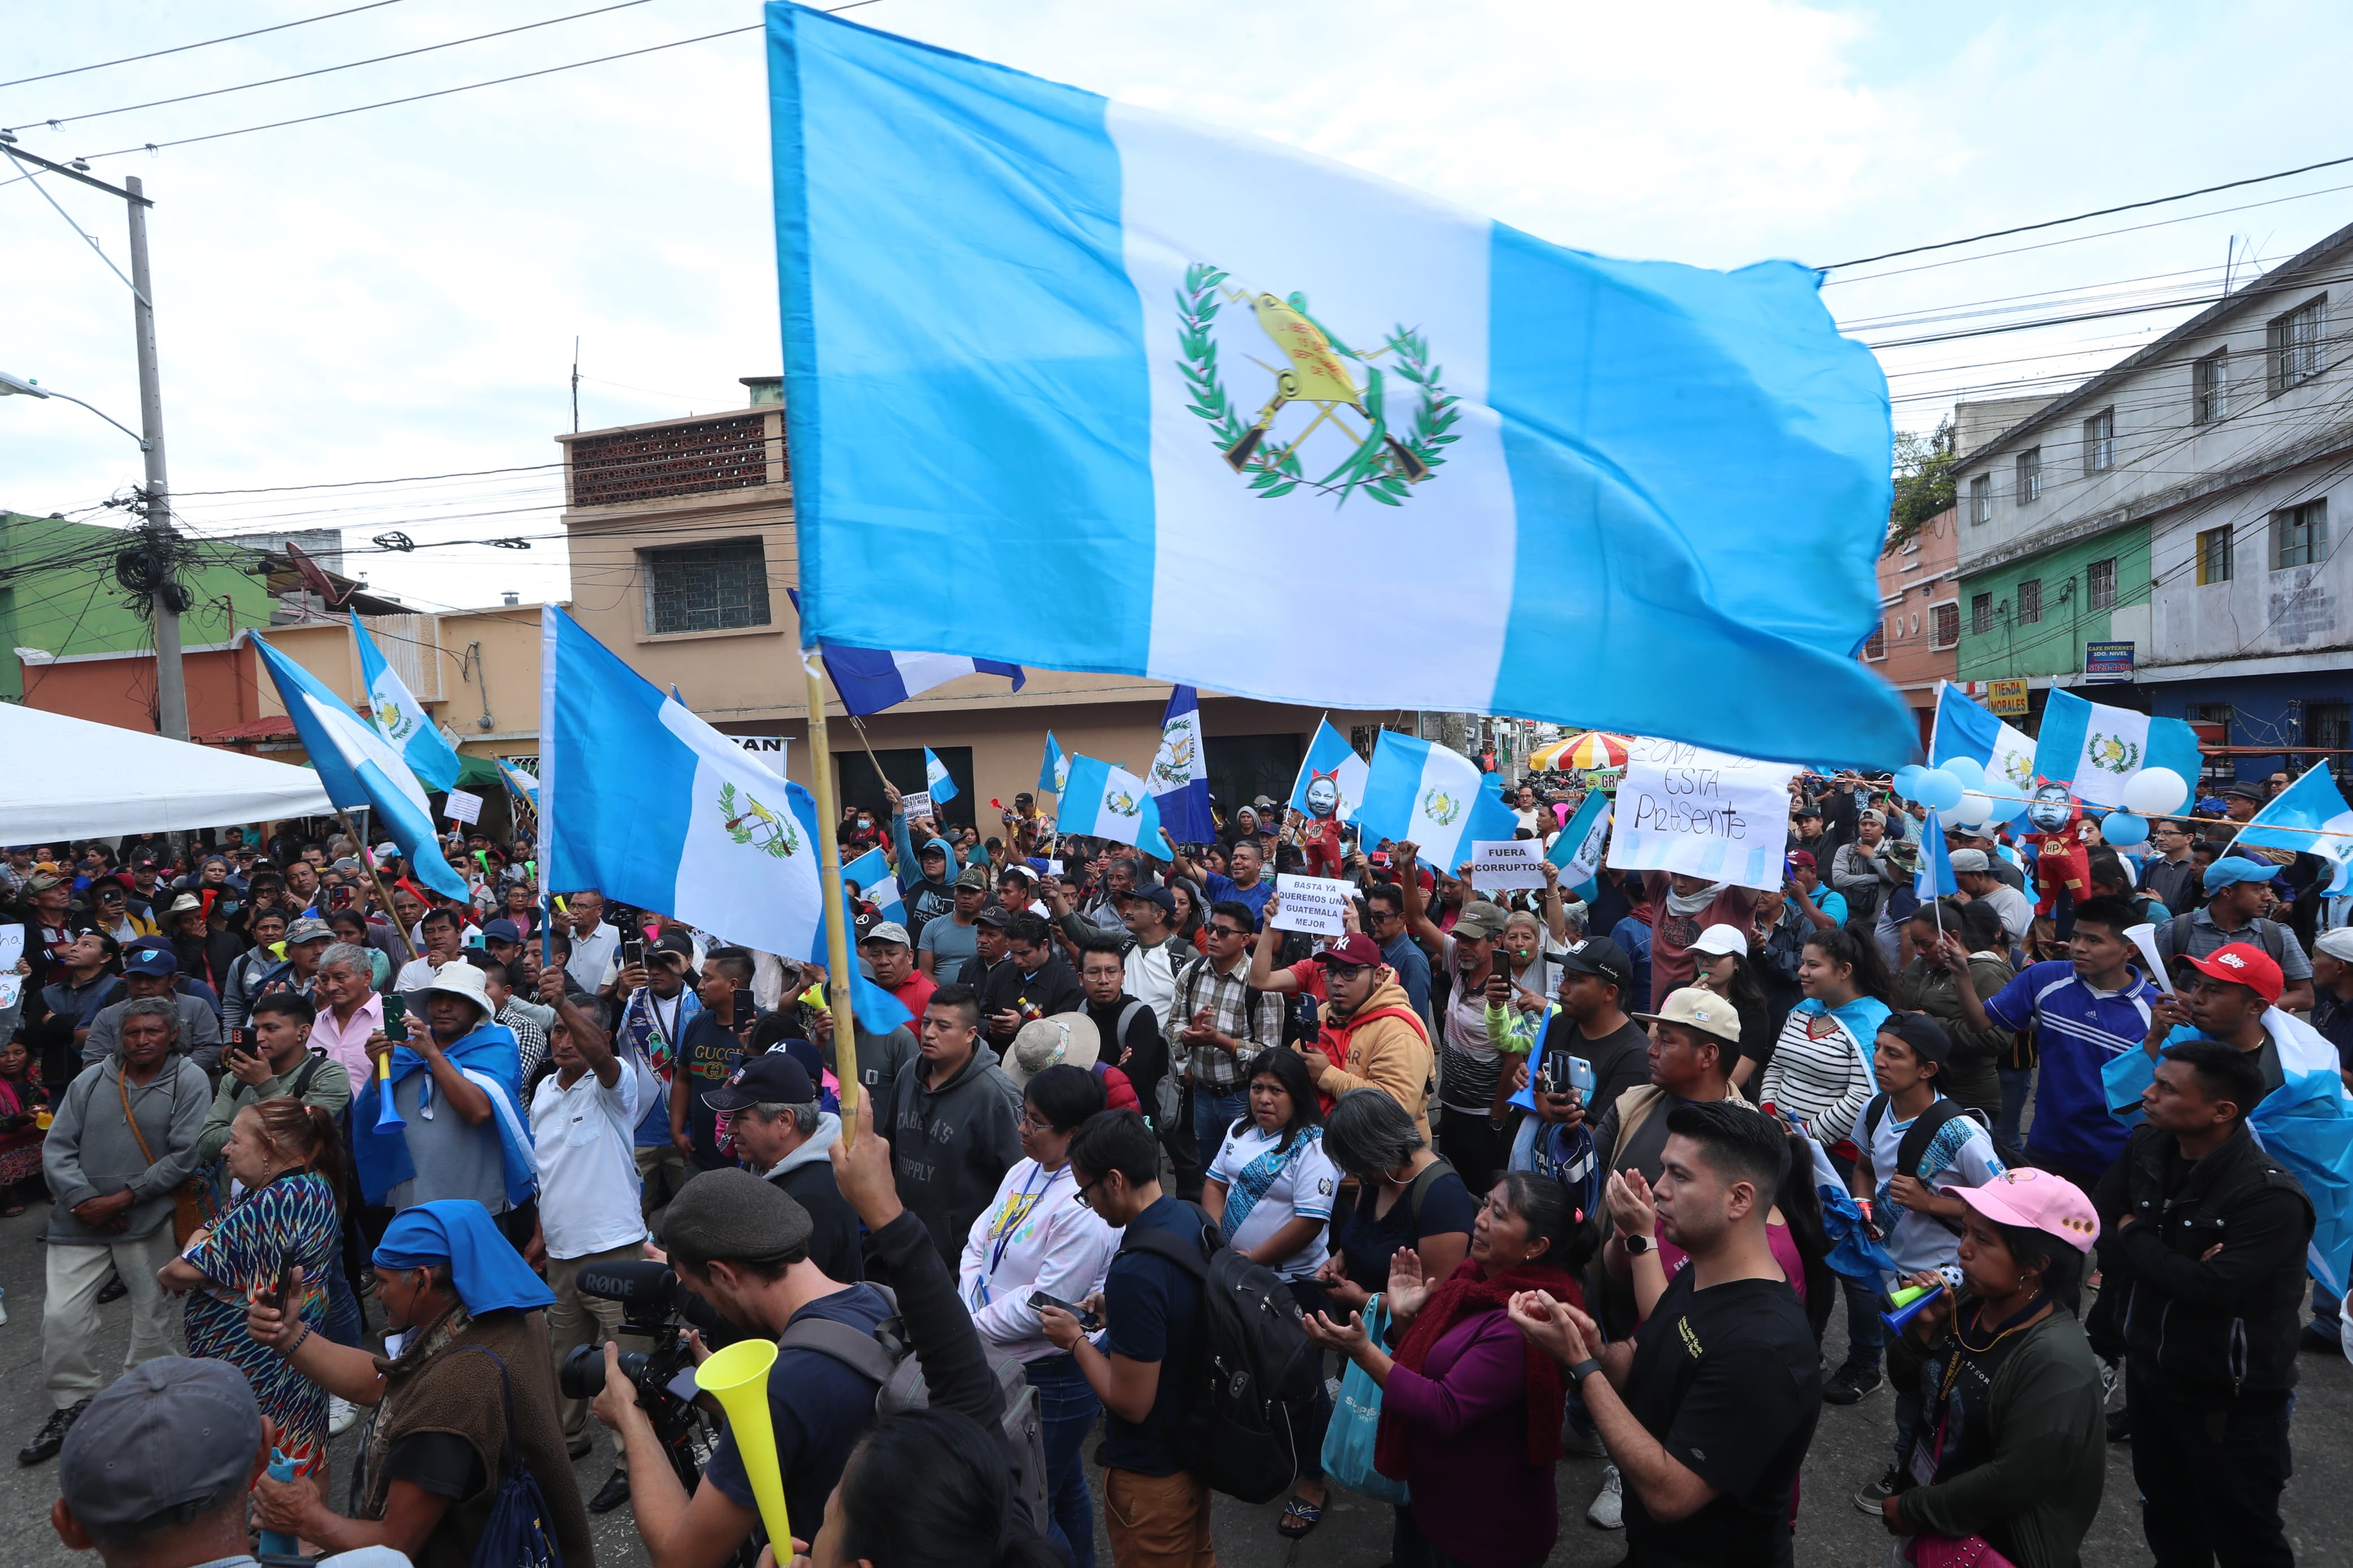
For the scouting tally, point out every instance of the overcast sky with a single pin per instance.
(394, 294)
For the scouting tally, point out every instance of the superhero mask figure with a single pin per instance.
(2061, 860)
(1319, 834)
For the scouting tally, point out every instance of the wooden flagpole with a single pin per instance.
(828, 850)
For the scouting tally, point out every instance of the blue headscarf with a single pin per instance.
(485, 1269)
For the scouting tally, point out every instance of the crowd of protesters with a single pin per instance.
(1576, 1171)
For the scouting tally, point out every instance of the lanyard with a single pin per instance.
(1024, 1204)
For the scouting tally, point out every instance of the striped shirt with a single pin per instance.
(1821, 1071)
(2079, 1028)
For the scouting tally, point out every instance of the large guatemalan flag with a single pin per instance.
(1160, 374)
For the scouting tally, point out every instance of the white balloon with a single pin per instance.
(1975, 807)
(2155, 791)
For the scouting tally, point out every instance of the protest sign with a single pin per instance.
(1313, 904)
(11, 952)
(461, 805)
(1506, 863)
(769, 748)
(1706, 814)
(916, 804)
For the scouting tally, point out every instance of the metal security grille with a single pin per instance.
(706, 587)
(674, 460)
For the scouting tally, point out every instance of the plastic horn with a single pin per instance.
(1907, 1302)
(738, 1378)
(275, 1544)
(387, 1114)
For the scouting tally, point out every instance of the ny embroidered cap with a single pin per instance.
(2242, 964)
(1697, 1009)
(2036, 1200)
(166, 1434)
(1354, 949)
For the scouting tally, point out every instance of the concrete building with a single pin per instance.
(2184, 508)
(1917, 641)
(683, 550)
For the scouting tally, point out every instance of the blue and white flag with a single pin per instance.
(1179, 780)
(1053, 768)
(1130, 353)
(402, 719)
(936, 780)
(1578, 848)
(645, 801)
(1966, 729)
(1332, 760)
(1417, 791)
(358, 767)
(520, 783)
(2094, 748)
(877, 1011)
(2313, 802)
(1934, 877)
(1106, 802)
(876, 884)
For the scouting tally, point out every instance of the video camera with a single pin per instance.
(653, 1307)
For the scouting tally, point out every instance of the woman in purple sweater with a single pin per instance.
(1469, 1417)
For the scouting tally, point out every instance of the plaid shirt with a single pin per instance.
(1253, 1017)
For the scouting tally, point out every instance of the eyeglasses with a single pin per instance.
(1227, 930)
(1085, 1200)
(1031, 1124)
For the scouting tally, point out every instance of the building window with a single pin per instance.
(2214, 556)
(2217, 716)
(2295, 342)
(1981, 499)
(2100, 442)
(2100, 579)
(2328, 726)
(2029, 475)
(1874, 646)
(706, 587)
(2210, 387)
(2030, 602)
(1945, 625)
(1981, 613)
(2300, 535)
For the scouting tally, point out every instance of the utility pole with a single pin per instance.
(170, 679)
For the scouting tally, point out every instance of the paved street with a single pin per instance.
(1848, 1448)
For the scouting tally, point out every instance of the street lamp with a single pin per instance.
(19, 386)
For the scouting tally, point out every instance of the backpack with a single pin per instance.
(885, 1359)
(2173, 936)
(1251, 1386)
(1916, 1138)
(516, 1534)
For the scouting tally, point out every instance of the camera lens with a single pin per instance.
(582, 1375)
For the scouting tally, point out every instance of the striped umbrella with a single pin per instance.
(1546, 757)
(1594, 749)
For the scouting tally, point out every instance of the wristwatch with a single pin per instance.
(1583, 1370)
(1636, 1243)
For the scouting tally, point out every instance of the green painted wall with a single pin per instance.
(2054, 645)
(58, 594)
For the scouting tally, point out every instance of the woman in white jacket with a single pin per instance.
(1036, 1239)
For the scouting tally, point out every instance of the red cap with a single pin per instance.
(2243, 964)
(1355, 947)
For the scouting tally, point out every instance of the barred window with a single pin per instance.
(2100, 442)
(2029, 475)
(1944, 626)
(2030, 602)
(2300, 535)
(1982, 613)
(720, 586)
(2210, 387)
(2214, 559)
(2100, 580)
(2295, 342)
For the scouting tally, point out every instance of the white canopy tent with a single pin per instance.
(70, 778)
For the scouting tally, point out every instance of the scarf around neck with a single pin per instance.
(1463, 1293)
(1695, 903)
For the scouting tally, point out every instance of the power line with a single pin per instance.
(183, 48)
(2079, 217)
(54, 122)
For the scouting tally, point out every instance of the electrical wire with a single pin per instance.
(208, 43)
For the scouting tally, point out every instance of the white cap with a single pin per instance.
(1971, 860)
(887, 931)
(2338, 944)
(1720, 941)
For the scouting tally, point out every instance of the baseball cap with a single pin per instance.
(41, 882)
(1480, 918)
(1016, 868)
(771, 1078)
(672, 941)
(152, 961)
(1599, 955)
(502, 931)
(309, 928)
(994, 915)
(2036, 1200)
(1803, 857)
(1809, 809)
(1156, 895)
(2338, 944)
(1697, 1009)
(1970, 860)
(931, 848)
(1354, 949)
(166, 1434)
(733, 1214)
(1719, 941)
(387, 851)
(888, 931)
(2232, 869)
(2242, 964)
(1926, 1037)
(973, 877)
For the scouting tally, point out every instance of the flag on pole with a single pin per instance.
(1966, 729)
(1179, 780)
(1330, 756)
(520, 783)
(869, 680)
(402, 719)
(1106, 802)
(1419, 790)
(357, 766)
(1506, 424)
(2314, 801)
(2094, 748)
(877, 1011)
(644, 800)
(936, 780)
(876, 884)
(1053, 769)
(1933, 879)
(1578, 848)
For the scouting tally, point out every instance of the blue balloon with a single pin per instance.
(1969, 770)
(1939, 789)
(2006, 810)
(1907, 779)
(2124, 829)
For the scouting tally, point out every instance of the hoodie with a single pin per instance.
(950, 1146)
(926, 897)
(1392, 1055)
(807, 1177)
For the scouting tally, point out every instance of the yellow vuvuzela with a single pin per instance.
(738, 1378)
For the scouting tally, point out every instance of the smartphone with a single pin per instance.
(633, 953)
(746, 1008)
(396, 1017)
(238, 1042)
(1087, 1321)
(285, 1286)
(1580, 1077)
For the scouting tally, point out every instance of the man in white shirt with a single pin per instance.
(582, 1123)
(1974, 872)
(440, 933)
(595, 945)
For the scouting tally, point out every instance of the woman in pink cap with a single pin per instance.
(2013, 1449)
